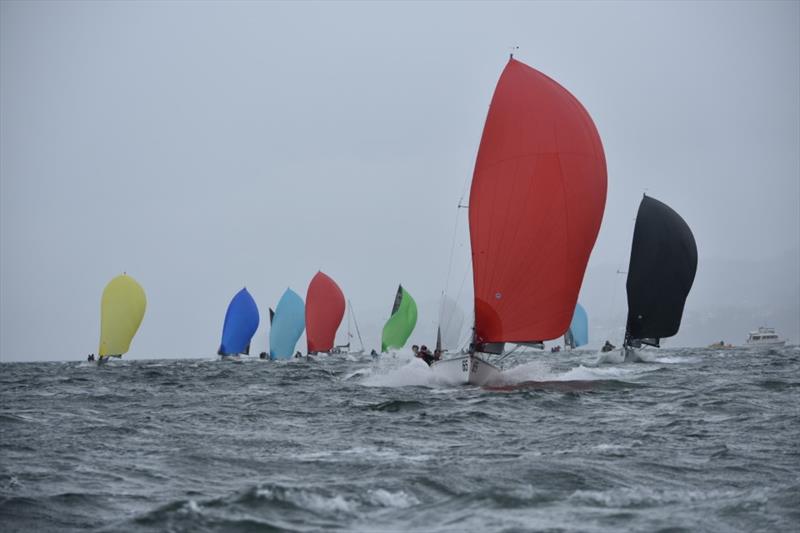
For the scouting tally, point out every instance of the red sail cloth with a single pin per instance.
(536, 203)
(324, 312)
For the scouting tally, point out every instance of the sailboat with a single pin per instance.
(401, 323)
(288, 324)
(345, 348)
(578, 332)
(241, 323)
(660, 275)
(324, 311)
(121, 312)
(536, 202)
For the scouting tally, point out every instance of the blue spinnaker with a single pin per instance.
(241, 322)
(287, 325)
(579, 328)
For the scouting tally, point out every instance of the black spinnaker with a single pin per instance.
(661, 272)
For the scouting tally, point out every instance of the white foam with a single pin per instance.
(627, 497)
(614, 357)
(325, 504)
(410, 373)
(385, 498)
(540, 371)
(339, 504)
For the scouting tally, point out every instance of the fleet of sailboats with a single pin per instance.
(536, 203)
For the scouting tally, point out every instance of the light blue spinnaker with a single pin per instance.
(287, 325)
(241, 322)
(578, 333)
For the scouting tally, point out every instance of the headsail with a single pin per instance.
(121, 312)
(241, 323)
(402, 321)
(287, 325)
(578, 332)
(536, 203)
(451, 324)
(661, 272)
(324, 311)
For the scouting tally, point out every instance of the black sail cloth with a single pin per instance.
(661, 272)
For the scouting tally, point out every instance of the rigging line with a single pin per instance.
(461, 287)
(453, 244)
(508, 353)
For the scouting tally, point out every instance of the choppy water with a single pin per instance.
(696, 440)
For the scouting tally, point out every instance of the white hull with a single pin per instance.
(467, 370)
(636, 355)
(766, 343)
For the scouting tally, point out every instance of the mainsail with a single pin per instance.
(536, 203)
(578, 332)
(402, 321)
(324, 311)
(660, 274)
(287, 325)
(121, 311)
(241, 323)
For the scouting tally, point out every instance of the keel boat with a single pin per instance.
(121, 312)
(287, 325)
(241, 323)
(660, 275)
(536, 202)
(401, 322)
(324, 312)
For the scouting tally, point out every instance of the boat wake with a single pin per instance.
(540, 372)
(400, 372)
(408, 371)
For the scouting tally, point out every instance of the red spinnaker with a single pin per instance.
(324, 312)
(536, 203)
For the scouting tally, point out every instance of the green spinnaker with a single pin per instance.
(398, 328)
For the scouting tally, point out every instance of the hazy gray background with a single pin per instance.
(201, 147)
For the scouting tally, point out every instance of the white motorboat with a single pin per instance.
(764, 337)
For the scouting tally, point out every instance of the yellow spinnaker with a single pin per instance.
(121, 312)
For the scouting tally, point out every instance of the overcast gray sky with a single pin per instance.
(202, 147)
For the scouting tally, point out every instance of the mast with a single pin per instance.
(356, 323)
